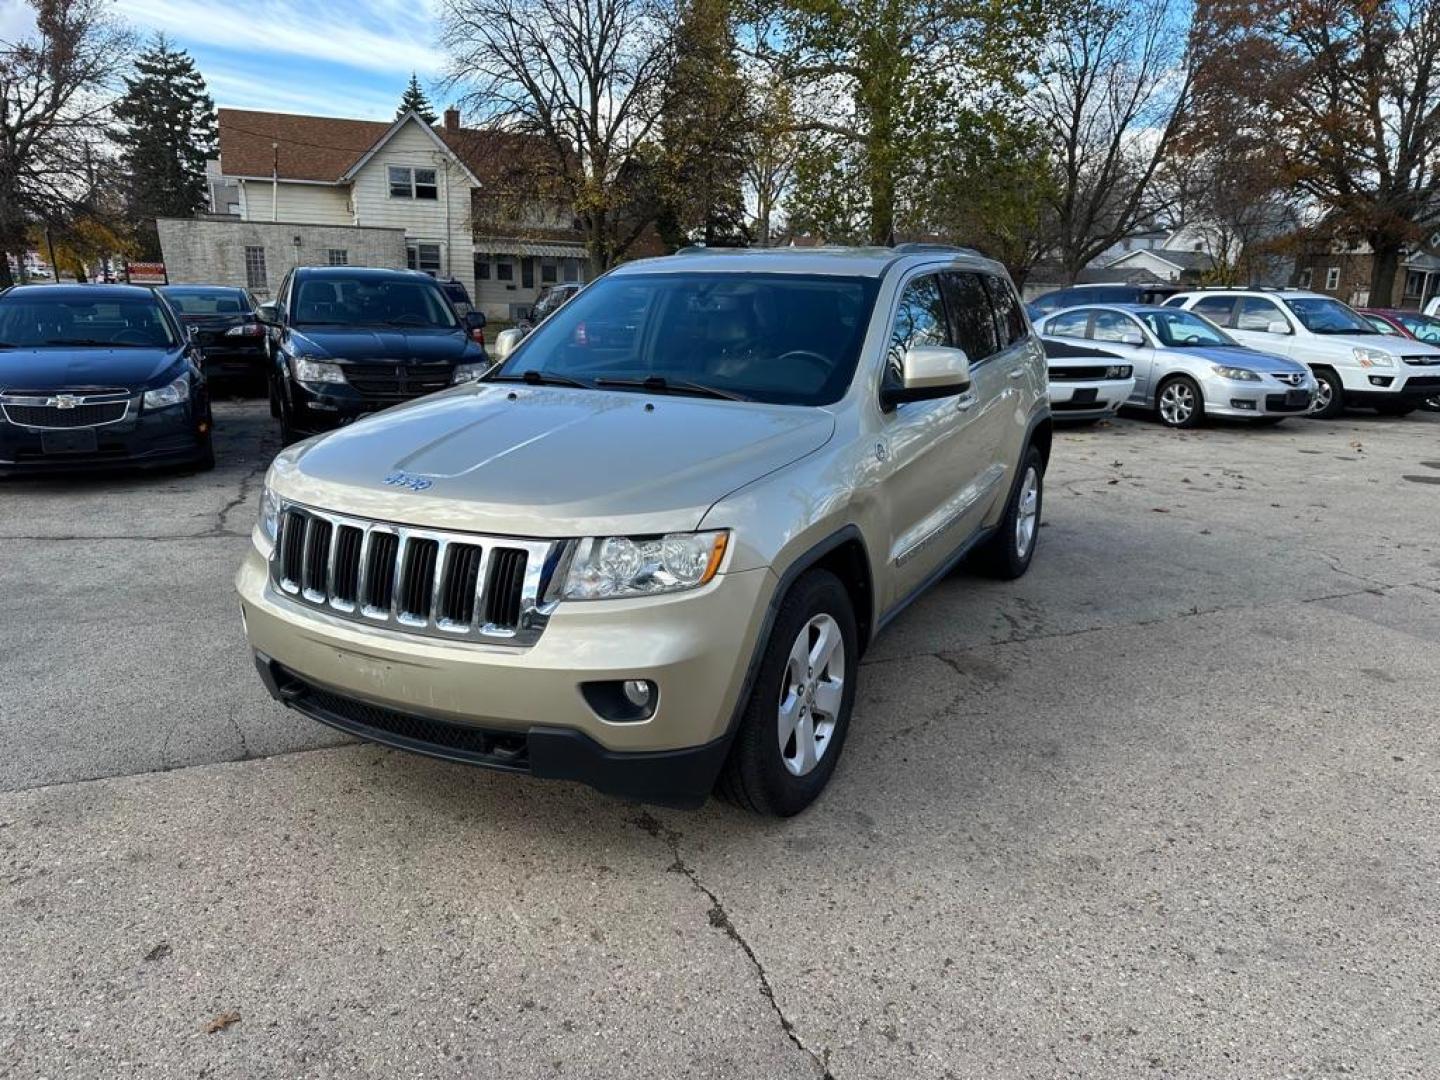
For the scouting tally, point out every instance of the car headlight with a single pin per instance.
(269, 520)
(616, 566)
(316, 371)
(468, 373)
(173, 394)
(1373, 358)
(1118, 371)
(1238, 374)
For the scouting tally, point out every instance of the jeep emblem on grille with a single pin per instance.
(63, 401)
(408, 480)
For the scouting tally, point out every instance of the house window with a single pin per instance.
(571, 269)
(1306, 276)
(482, 267)
(424, 257)
(547, 272)
(1414, 283)
(1332, 278)
(504, 270)
(337, 257)
(408, 183)
(255, 268)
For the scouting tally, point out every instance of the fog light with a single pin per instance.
(1241, 403)
(637, 693)
(622, 702)
(1381, 380)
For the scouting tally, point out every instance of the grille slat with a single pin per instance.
(398, 381)
(451, 585)
(77, 416)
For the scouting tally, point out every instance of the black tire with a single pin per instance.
(288, 432)
(1002, 556)
(1180, 385)
(1394, 408)
(1431, 404)
(1331, 386)
(755, 776)
(274, 398)
(206, 461)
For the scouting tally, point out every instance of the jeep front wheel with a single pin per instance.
(794, 723)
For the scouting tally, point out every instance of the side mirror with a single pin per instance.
(475, 320)
(1132, 338)
(929, 372)
(1278, 326)
(269, 313)
(507, 341)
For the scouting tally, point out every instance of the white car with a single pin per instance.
(1086, 383)
(1353, 363)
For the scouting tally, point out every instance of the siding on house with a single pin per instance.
(311, 204)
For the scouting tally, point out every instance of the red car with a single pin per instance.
(1407, 324)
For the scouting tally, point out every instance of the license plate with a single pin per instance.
(1297, 397)
(1084, 396)
(79, 441)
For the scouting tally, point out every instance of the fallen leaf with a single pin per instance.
(221, 1022)
(159, 952)
(1159, 510)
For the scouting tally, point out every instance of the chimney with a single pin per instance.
(452, 119)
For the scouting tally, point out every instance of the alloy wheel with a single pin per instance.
(1177, 404)
(811, 691)
(1027, 512)
(1324, 393)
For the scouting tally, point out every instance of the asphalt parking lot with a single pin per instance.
(1165, 807)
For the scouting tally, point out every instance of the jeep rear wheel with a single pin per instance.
(794, 724)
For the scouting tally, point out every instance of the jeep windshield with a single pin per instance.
(28, 321)
(356, 300)
(790, 339)
(1321, 315)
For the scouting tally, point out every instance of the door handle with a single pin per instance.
(966, 400)
(1017, 373)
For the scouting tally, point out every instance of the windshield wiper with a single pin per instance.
(542, 378)
(663, 385)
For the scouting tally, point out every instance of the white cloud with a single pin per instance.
(17, 19)
(379, 36)
(239, 88)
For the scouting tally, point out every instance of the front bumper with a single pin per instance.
(522, 708)
(1269, 397)
(321, 407)
(1072, 399)
(162, 437)
(1376, 387)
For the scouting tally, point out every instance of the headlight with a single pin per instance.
(1118, 371)
(614, 566)
(316, 371)
(468, 373)
(1238, 374)
(1373, 358)
(177, 392)
(269, 514)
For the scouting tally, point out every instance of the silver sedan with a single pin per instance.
(1186, 367)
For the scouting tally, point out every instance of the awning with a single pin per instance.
(532, 249)
(1422, 260)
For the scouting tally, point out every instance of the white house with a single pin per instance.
(293, 190)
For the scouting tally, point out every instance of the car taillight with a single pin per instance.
(246, 330)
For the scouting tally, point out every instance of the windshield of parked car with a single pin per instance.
(1322, 315)
(340, 300)
(1183, 330)
(206, 301)
(780, 338)
(131, 322)
(1422, 326)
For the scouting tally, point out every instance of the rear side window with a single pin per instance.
(1257, 314)
(972, 318)
(1217, 309)
(1009, 319)
(1069, 324)
(1112, 326)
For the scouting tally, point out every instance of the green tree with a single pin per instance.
(167, 134)
(703, 131)
(882, 79)
(414, 100)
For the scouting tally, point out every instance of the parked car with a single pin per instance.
(347, 341)
(1100, 293)
(223, 321)
(1187, 368)
(98, 375)
(1353, 363)
(552, 300)
(1086, 383)
(665, 554)
(1397, 322)
(459, 297)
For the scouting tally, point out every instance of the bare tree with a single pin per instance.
(54, 87)
(772, 151)
(585, 76)
(1110, 101)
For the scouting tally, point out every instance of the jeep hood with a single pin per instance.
(548, 461)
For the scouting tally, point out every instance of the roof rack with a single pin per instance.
(1241, 288)
(920, 248)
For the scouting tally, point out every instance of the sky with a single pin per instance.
(337, 58)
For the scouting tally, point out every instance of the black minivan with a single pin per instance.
(347, 341)
(98, 375)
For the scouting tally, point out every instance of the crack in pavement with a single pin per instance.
(243, 494)
(720, 920)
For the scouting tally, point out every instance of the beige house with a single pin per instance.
(307, 190)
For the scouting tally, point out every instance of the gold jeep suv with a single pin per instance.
(647, 550)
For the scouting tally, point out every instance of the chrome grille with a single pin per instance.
(1423, 360)
(1290, 378)
(66, 409)
(424, 581)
